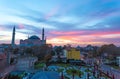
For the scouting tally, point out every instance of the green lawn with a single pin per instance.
(63, 65)
(76, 72)
(116, 67)
(39, 65)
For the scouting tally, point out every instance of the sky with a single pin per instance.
(75, 22)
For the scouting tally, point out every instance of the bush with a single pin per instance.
(39, 65)
(14, 77)
(76, 72)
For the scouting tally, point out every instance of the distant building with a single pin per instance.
(62, 55)
(33, 40)
(66, 54)
(118, 61)
(83, 55)
(73, 54)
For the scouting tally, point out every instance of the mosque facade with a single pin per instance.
(34, 40)
(31, 41)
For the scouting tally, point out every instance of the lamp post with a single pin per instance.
(88, 76)
(62, 76)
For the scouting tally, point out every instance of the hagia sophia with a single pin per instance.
(31, 41)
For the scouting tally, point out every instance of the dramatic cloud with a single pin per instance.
(65, 21)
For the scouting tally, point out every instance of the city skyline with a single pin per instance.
(94, 22)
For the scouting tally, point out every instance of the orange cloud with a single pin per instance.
(82, 38)
(105, 33)
(67, 33)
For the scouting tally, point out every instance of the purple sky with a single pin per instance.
(73, 22)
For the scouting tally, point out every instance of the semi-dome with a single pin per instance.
(46, 75)
(34, 37)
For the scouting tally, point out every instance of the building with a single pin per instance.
(118, 61)
(3, 59)
(33, 40)
(62, 56)
(66, 54)
(25, 63)
(73, 54)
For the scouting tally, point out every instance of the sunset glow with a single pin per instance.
(76, 22)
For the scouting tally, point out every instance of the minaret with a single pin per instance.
(43, 38)
(13, 37)
(42, 34)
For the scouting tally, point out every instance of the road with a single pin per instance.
(111, 71)
(106, 68)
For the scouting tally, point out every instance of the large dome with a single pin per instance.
(34, 37)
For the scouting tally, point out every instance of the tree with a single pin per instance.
(41, 51)
(110, 49)
(29, 50)
(47, 58)
(59, 50)
(15, 51)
